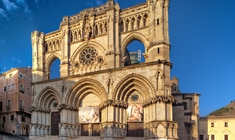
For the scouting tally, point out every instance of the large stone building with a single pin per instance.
(15, 101)
(100, 94)
(185, 112)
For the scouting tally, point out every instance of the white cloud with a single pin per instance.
(3, 13)
(16, 60)
(88, 2)
(99, 2)
(24, 4)
(9, 5)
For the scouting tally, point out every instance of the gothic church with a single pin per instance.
(102, 92)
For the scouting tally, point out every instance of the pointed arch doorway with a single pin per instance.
(55, 120)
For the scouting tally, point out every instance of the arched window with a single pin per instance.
(134, 53)
(55, 69)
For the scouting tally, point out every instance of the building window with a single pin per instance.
(212, 137)
(12, 117)
(20, 75)
(226, 124)
(8, 104)
(4, 119)
(0, 106)
(21, 88)
(9, 87)
(185, 105)
(201, 137)
(13, 86)
(225, 137)
(212, 125)
(21, 105)
(23, 118)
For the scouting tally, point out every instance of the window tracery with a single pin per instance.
(88, 56)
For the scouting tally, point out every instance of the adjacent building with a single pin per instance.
(185, 112)
(15, 101)
(218, 125)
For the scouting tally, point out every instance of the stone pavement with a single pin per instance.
(4, 136)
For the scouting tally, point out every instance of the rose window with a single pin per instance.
(88, 56)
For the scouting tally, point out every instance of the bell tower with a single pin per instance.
(37, 54)
(158, 30)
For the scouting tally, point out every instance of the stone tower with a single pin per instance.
(100, 94)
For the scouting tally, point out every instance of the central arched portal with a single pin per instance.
(89, 115)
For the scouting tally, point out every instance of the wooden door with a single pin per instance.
(55, 120)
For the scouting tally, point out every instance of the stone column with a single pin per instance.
(113, 125)
(65, 49)
(68, 127)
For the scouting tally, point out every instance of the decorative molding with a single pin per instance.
(36, 109)
(116, 103)
(67, 107)
(159, 99)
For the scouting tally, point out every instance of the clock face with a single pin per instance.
(88, 56)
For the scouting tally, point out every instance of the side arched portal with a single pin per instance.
(134, 89)
(47, 112)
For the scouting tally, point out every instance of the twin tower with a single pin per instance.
(101, 93)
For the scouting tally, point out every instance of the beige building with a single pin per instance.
(217, 128)
(218, 125)
(15, 101)
(100, 93)
(185, 112)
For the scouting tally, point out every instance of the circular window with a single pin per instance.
(134, 97)
(88, 56)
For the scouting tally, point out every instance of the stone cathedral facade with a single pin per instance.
(101, 94)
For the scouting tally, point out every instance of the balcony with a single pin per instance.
(21, 89)
(21, 108)
(8, 107)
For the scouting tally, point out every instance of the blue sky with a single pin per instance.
(202, 35)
